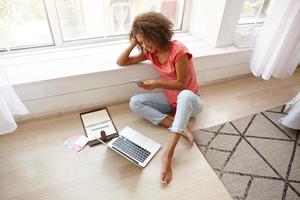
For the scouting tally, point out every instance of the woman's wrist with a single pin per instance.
(158, 84)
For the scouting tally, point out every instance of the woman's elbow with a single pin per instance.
(120, 63)
(180, 85)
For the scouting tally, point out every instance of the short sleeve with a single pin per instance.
(180, 50)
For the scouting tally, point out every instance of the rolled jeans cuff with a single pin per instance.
(157, 121)
(176, 130)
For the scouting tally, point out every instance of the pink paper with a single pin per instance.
(71, 143)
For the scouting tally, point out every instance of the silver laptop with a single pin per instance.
(133, 146)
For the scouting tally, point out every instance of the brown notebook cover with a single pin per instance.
(98, 123)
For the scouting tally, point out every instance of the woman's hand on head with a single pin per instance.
(149, 84)
(132, 39)
(133, 42)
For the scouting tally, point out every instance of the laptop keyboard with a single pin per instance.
(132, 149)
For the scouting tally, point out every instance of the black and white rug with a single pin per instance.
(255, 157)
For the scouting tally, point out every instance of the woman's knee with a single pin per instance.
(190, 101)
(135, 102)
(186, 96)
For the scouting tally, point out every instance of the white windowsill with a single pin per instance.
(28, 67)
(54, 81)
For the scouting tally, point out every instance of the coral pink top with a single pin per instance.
(167, 70)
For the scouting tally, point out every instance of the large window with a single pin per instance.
(254, 11)
(35, 23)
(251, 22)
(23, 24)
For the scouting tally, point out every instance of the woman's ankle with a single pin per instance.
(166, 122)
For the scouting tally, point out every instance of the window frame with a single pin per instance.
(57, 37)
(249, 21)
(255, 19)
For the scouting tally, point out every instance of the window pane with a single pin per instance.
(252, 8)
(23, 24)
(93, 18)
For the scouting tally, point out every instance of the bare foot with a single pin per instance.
(189, 136)
(166, 169)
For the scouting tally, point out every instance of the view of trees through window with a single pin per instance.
(28, 23)
(254, 10)
(23, 23)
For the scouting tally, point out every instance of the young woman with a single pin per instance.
(152, 33)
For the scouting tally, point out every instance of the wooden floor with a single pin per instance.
(34, 164)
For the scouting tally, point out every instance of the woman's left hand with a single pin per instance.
(149, 84)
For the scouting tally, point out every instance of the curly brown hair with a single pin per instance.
(154, 27)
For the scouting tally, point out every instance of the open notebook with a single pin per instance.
(98, 124)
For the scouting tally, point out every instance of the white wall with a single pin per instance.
(215, 21)
(229, 22)
(205, 19)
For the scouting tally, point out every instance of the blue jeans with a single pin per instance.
(154, 107)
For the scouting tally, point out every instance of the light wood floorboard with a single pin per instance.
(36, 165)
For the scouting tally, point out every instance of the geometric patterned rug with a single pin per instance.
(255, 157)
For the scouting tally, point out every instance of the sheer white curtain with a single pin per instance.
(277, 52)
(10, 105)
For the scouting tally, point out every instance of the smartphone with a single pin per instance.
(137, 81)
